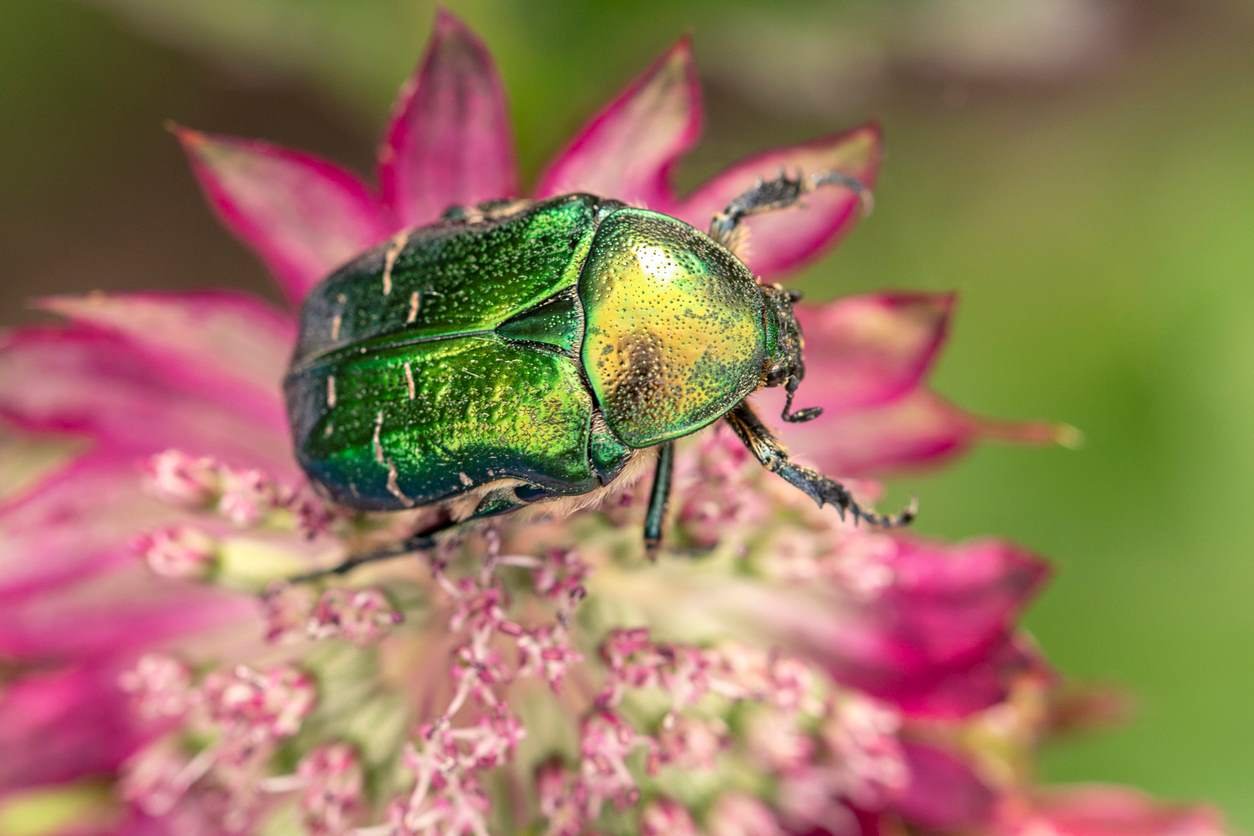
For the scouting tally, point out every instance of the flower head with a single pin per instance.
(778, 671)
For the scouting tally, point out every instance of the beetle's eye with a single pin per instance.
(794, 296)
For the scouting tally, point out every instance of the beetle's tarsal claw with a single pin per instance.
(866, 200)
(803, 415)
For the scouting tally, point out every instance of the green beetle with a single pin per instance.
(532, 352)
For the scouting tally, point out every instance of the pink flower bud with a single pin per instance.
(181, 552)
(333, 791)
(158, 776)
(247, 496)
(259, 707)
(736, 814)
(361, 616)
(861, 734)
(666, 818)
(160, 685)
(286, 611)
(183, 480)
(546, 651)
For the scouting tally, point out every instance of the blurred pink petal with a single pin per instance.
(77, 522)
(1105, 811)
(936, 640)
(75, 718)
(449, 142)
(232, 335)
(627, 151)
(303, 215)
(939, 639)
(919, 430)
(98, 384)
(782, 240)
(863, 351)
(122, 611)
(944, 793)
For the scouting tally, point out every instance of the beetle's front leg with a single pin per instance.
(780, 193)
(822, 489)
(659, 496)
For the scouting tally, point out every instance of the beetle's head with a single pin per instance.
(786, 366)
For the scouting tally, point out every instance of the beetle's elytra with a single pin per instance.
(524, 351)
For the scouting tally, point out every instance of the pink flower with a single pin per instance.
(1104, 811)
(149, 643)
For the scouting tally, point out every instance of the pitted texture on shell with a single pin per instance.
(674, 335)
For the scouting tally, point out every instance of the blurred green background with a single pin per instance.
(1081, 171)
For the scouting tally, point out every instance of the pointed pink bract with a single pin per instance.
(230, 335)
(918, 430)
(449, 142)
(863, 351)
(302, 215)
(63, 724)
(1097, 810)
(627, 150)
(937, 641)
(778, 241)
(944, 792)
(97, 384)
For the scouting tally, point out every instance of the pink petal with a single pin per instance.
(121, 612)
(627, 151)
(937, 641)
(71, 722)
(1105, 811)
(98, 384)
(940, 639)
(302, 215)
(232, 336)
(866, 350)
(918, 430)
(779, 241)
(449, 142)
(75, 524)
(943, 793)
(71, 584)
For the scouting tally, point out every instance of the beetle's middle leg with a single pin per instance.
(494, 503)
(420, 540)
(659, 496)
(782, 192)
(822, 489)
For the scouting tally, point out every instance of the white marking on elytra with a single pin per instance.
(337, 321)
(465, 480)
(394, 487)
(409, 381)
(377, 441)
(330, 391)
(413, 308)
(389, 260)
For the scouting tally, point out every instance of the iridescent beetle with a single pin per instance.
(539, 352)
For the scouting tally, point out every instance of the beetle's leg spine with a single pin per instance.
(659, 498)
(822, 489)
